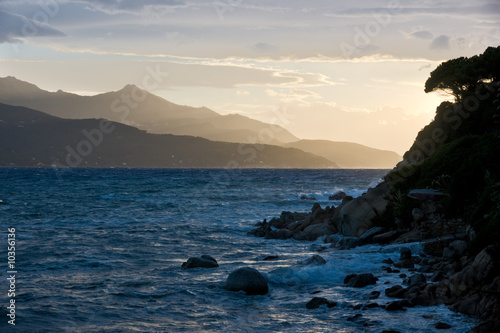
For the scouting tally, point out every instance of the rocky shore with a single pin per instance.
(443, 274)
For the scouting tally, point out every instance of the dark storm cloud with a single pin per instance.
(13, 27)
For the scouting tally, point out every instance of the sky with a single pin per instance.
(335, 70)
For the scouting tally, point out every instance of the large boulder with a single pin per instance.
(355, 217)
(312, 232)
(248, 280)
(205, 261)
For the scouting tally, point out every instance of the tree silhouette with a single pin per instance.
(463, 75)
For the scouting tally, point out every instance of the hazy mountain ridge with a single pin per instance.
(143, 110)
(134, 106)
(33, 138)
(349, 154)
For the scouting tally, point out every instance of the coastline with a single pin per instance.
(442, 274)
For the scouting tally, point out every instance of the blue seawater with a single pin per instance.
(100, 250)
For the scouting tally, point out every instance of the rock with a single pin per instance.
(408, 263)
(278, 234)
(305, 197)
(360, 280)
(417, 214)
(355, 217)
(287, 218)
(455, 250)
(405, 253)
(346, 243)
(355, 317)
(416, 280)
(271, 257)
(262, 229)
(316, 302)
(388, 261)
(386, 237)
(368, 235)
(337, 196)
(315, 260)
(312, 232)
(248, 280)
(425, 269)
(486, 326)
(437, 276)
(371, 306)
(205, 261)
(396, 292)
(483, 265)
(374, 294)
(316, 210)
(442, 326)
(396, 306)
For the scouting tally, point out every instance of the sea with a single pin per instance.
(100, 250)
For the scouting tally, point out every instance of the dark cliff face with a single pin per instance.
(458, 153)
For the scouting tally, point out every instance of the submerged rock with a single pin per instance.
(396, 306)
(315, 260)
(316, 302)
(442, 326)
(205, 261)
(337, 196)
(248, 280)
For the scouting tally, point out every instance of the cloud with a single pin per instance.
(14, 27)
(424, 67)
(440, 43)
(134, 7)
(422, 34)
(263, 47)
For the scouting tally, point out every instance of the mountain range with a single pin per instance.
(139, 108)
(33, 138)
(141, 118)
